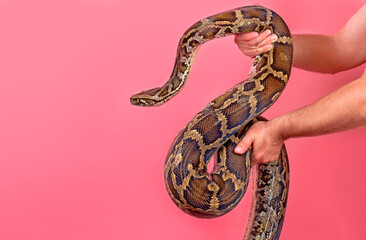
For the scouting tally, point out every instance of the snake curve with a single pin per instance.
(223, 122)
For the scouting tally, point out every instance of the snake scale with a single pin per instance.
(223, 122)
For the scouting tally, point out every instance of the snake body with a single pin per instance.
(223, 122)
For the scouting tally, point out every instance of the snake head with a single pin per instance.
(142, 102)
(145, 98)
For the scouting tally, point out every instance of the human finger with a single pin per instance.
(244, 144)
(268, 40)
(246, 36)
(260, 38)
(257, 51)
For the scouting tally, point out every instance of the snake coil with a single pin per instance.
(223, 122)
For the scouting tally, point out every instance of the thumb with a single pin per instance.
(244, 144)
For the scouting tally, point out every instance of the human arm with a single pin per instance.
(341, 110)
(341, 51)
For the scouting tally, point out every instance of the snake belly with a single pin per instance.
(223, 122)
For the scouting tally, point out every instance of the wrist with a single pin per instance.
(278, 128)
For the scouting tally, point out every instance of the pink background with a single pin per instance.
(77, 161)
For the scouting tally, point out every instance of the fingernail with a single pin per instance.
(274, 38)
(268, 32)
(239, 150)
(255, 34)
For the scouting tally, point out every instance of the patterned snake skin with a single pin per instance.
(223, 122)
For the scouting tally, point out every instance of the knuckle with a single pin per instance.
(266, 41)
(236, 39)
(244, 36)
(261, 38)
(256, 160)
(261, 50)
(243, 144)
(253, 42)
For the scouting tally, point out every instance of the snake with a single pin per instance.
(219, 127)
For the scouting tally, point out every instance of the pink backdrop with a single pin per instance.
(77, 161)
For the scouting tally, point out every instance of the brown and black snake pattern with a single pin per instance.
(221, 125)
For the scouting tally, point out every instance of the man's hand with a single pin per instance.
(266, 141)
(253, 43)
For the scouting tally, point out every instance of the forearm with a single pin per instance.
(341, 110)
(315, 53)
(340, 51)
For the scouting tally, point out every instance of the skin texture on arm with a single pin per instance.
(341, 51)
(341, 110)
